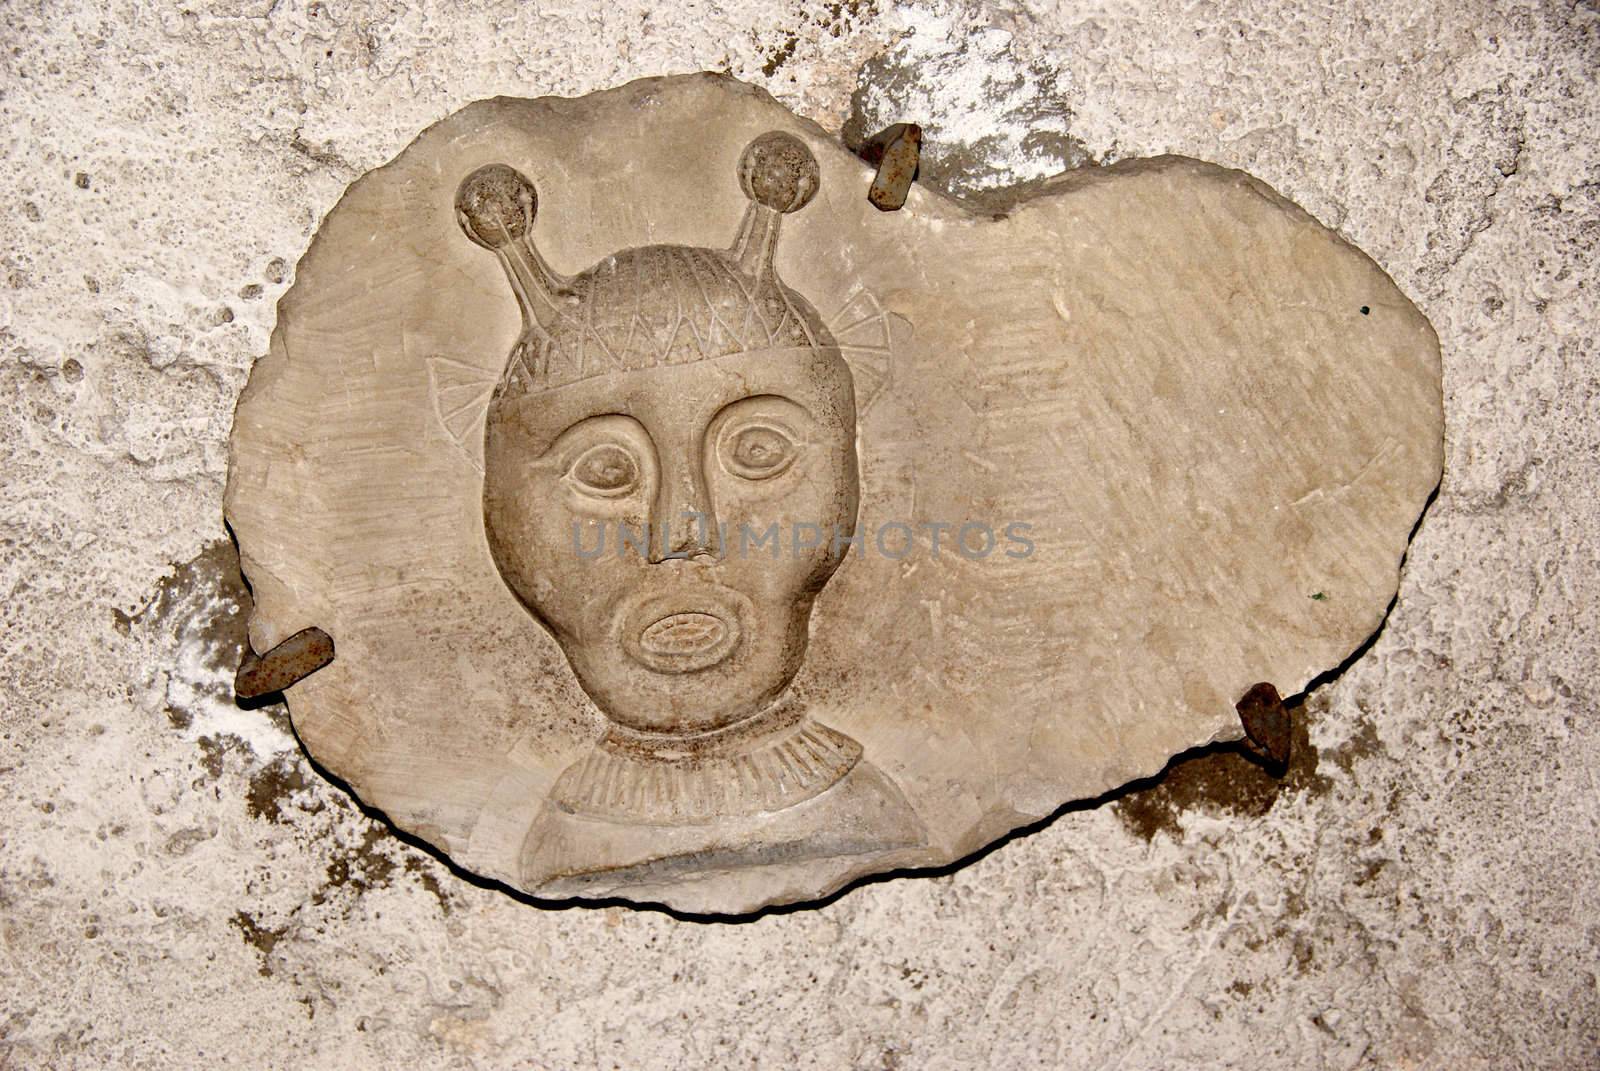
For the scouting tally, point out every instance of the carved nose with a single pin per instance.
(684, 525)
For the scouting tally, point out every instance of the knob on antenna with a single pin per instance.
(495, 205)
(778, 170)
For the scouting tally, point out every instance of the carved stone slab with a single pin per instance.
(692, 532)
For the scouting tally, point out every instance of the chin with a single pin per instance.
(682, 704)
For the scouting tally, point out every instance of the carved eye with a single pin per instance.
(759, 452)
(606, 470)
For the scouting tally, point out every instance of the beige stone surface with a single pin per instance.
(180, 887)
(1197, 426)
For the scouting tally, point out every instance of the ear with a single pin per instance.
(869, 339)
(460, 393)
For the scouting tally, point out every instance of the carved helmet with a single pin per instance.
(653, 305)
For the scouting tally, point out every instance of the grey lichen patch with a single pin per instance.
(780, 55)
(274, 785)
(355, 857)
(213, 573)
(993, 125)
(424, 874)
(194, 627)
(260, 937)
(1224, 781)
(375, 860)
(363, 867)
(1363, 743)
(212, 751)
(827, 22)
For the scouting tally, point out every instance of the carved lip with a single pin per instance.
(683, 634)
(681, 638)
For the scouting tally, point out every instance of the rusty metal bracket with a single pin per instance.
(896, 150)
(295, 659)
(1266, 721)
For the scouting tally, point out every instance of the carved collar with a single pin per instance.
(774, 760)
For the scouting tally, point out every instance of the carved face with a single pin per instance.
(740, 469)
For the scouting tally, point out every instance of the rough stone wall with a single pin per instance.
(178, 886)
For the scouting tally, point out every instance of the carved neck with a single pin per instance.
(727, 740)
(774, 760)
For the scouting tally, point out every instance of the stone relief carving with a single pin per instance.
(654, 581)
(669, 399)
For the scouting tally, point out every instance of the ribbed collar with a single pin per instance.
(766, 763)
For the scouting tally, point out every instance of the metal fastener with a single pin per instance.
(293, 660)
(896, 150)
(1266, 721)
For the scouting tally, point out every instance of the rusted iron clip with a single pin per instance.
(896, 150)
(1266, 721)
(293, 660)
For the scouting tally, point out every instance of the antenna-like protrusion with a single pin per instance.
(495, 206)
(779, 175)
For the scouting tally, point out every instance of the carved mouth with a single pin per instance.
(682, 641)
(683, 634)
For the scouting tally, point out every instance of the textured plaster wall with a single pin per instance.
(179, 887)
